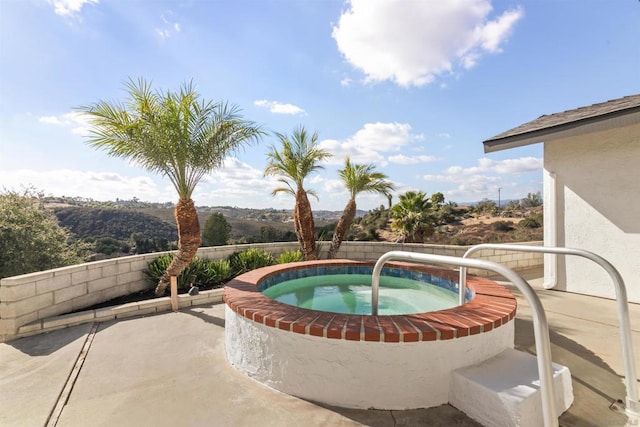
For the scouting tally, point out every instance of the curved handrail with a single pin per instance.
(540, 326)
(632, 404)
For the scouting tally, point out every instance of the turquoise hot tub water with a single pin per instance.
(348, 290)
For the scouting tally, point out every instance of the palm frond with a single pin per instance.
(298, 156)
(359, 178)
(175, 134)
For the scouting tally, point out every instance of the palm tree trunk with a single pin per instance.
(344, 223)
(296, 223)
(306, 225)
(188, 242)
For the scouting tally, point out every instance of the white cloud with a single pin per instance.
(495, 32)
(413, 160)
(69, 7)
(521, 165)
(487, 166)
(164, 34)
(235, 184)
(369, 144)
(239, 184)
(316, 179)
(170, 26)
(469, 187)
(413, 42)
(508, 166)
(335, 187)
(279, 108)
(474, 188)
(76, 121)
(484, 179)
(346, 81)
(95, 185)
(235, 175)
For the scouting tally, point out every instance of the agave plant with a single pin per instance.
(218, 271)
(250, 259)
(192, 274)
(290, 256)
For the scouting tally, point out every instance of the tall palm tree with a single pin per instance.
(358, 179)
(299, 156)
(176, 134)
(412, 217)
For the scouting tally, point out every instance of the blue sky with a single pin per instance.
(411, 86)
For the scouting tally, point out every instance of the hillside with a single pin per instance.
(124, 227)
(119, 224)
(246, 224)
(465, 228)
(159, 223)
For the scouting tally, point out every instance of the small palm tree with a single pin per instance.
(358, 179)
(412, 217)
(178, 135)
(299, 156)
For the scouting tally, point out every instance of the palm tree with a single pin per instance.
(178, 135)
(412, 217)
(358, 179)
(300, 155)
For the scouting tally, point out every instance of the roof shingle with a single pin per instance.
(573, 117)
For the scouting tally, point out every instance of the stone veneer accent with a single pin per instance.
(31, 301)
(492, 307)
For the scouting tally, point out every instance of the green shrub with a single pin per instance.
(31, 239)
(290, 256)
(250, 259)
(502, 226)
(531, 222)
(218, 271)
(194, 273)
(157, 267)
(460, 241)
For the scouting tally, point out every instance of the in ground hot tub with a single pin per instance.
(400, 361)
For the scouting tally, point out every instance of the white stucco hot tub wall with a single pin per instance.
(356, 374)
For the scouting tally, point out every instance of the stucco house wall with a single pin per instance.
(591, 192)
(597, 208)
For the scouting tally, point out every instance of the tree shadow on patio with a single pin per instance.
(197, 312)
(47, 343)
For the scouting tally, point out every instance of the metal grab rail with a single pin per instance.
(540, 326)
(632, 404)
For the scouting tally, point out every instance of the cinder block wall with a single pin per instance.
(374, 250)
(36, 296)
(30, 297)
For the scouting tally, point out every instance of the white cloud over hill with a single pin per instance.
(412, 42)
(372, 143)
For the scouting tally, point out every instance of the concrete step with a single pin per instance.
(505, 390)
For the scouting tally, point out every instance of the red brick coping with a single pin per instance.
(492, 306)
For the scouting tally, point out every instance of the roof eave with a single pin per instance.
(608, 121)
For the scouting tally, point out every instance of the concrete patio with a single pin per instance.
(170, 369)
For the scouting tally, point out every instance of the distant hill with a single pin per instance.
(164, 210)
(247, 224)
(86, 222)
(158, 222)
(88, 219)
